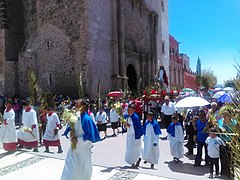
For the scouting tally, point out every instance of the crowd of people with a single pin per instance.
(200, 126)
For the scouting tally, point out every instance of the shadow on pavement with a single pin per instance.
(5, 154)
(19, 151)
(16, 153)
(148, 168)
(190, 157)
(125, 168)
(187, 168)
(109, 169)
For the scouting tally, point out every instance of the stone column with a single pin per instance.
(153, 60)
(4, 26)
(143, 81)
(115, 59)
(121, 39)
(2, 60)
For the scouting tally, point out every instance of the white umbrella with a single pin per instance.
(218, 89)
(228, 89)
(192, 102)
(218, 94)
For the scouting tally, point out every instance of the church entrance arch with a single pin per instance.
(132, 78)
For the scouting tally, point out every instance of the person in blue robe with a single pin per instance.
(176, 138)
(151, 131)
(78, 162)
(134, 133)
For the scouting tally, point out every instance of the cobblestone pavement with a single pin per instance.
(124, 175)
(25, 165)
(20, 165)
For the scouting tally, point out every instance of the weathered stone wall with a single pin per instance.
(136, 27)
(139, 40)
(56, 50)
(29, 17)
(10, 78)
(139, 36)
(49, 53)
(162, 31)
(65, 38)
(165, 36)
(14, 40)
(100, 45)
(16, 31)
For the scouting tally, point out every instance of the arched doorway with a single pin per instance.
(132, 78)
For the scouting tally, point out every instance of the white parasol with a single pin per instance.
(228, 89)
(218, 94)
(192, 102)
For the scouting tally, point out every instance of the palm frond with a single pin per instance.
(37, 95)
(81, 93)
(234, 110)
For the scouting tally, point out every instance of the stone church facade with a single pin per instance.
(122, 43)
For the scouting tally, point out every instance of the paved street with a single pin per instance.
(108, 161)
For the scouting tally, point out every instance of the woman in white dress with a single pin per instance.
(51, 137)
(8, 135)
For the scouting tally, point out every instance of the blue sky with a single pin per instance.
(209, 29)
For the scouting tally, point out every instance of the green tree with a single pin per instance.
(199, 72)
(208, 78)
(230, 83)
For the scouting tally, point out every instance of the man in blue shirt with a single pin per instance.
(200, 126)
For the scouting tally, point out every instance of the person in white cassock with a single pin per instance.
(176, 138)
(8, 134)
(114, 119)
(51, 137)
(168, 109)
(101, 118)
(78, 164)
(134, 133)
(151, 131)
(28, 135)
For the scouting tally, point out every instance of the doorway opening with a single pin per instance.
(132, 78)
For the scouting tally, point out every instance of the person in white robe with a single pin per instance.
(78, 164)
(176, 138)
(51, 137)
(134, 133)
(114, 119)
(151, 131)
(28, 135)
(8, 134)
(101, 118)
